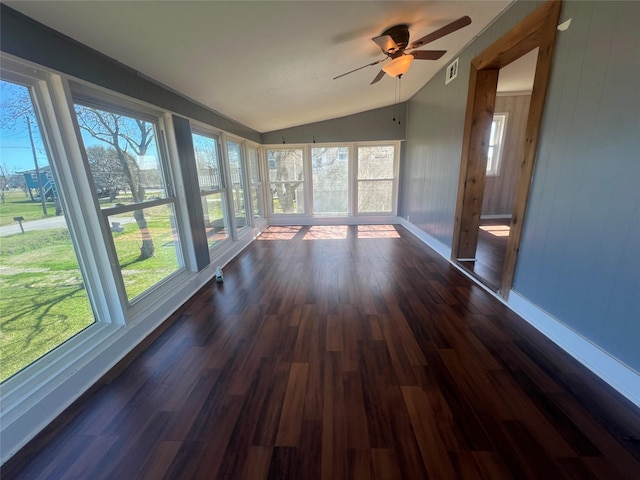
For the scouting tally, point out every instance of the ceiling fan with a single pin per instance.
(394, 43)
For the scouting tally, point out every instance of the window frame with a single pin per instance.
(51, 101)
(493, 170)
(257, 186)
(394, 179)
(106, 100)
(201, 130)
(306, 172)
(350, 190)
(237, 232)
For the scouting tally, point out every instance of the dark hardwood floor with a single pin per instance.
(342, 353)
(491, 249)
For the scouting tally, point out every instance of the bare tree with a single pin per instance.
(289, 176)
(107, 171)
(123, 133)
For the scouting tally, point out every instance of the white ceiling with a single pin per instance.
(266, 64)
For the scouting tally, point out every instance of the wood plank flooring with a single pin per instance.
(342, 353)
(493, 236)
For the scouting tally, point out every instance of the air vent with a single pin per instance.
(452, 71)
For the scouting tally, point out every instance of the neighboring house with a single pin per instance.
(46, 183)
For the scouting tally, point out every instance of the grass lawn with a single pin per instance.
(42, 298)
(17, 205)
(43, 301)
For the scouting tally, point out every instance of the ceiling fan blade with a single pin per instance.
(377, 77)
(360, 68)
(386, 44)
(441, 32)
(428, 54)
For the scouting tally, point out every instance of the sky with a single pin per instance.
(16, 153)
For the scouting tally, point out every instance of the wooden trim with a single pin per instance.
(532, 132)
(475, 173)
(538, 30)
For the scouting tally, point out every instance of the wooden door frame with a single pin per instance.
(538, 30)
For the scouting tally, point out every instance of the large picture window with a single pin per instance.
(130, 179)
(376, 179)
(43, 299)
(330, 173)
(286, 180)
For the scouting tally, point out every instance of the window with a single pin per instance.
(238, 200)
(286, 180)
(136, 199)
(256, 182)
(496, 137)
(330, 174)
(212, 189)
(43, 298)
(376, 179)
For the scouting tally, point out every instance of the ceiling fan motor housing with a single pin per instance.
(400, 35)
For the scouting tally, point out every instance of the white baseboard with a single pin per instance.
(621, 377)
(432, 242)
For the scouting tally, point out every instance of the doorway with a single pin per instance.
(538, 30)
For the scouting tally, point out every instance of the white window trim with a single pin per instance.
(237, 233)
(498, 147)
(216, 135)
(353, 217)
(395, 180)
(350, 192)
(306, 169)
(259, 186)
(99, 98)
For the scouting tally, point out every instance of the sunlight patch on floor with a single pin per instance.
(334, 232)
(279, 233)
(496, 230)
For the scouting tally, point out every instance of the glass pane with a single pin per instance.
(256, 185)
(208, 163)
(375, 196)
(286, 177)
(237, 185)
(492, 136)
(253, 164)
(43, 301)
(490, 160)
(123, 156)
(256, 201)
(147, 246)
(214, 218)
(375, 162)
(330, 168)
(287, 197)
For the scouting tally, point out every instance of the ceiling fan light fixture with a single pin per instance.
(398, 66)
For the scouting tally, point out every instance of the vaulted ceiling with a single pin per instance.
(266, 64)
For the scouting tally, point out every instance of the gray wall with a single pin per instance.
(372, 125)
(25, 38)
(580, 251)
(579, 258)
